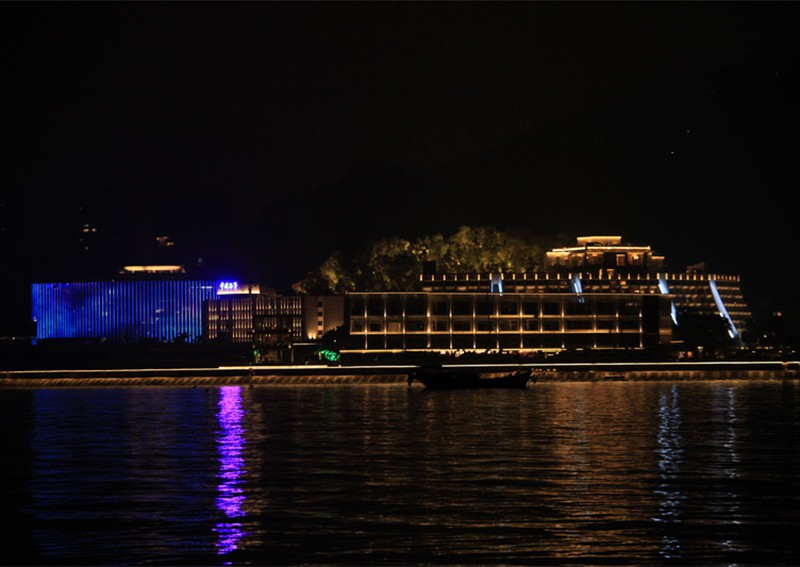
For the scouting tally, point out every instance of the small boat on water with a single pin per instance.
(438, 378)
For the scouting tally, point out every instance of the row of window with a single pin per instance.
(491, 326)
(377, 306)
(243, 328)
(483, 342)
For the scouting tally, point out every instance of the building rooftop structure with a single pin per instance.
(604, 264)
(603, 253)
(152, 269)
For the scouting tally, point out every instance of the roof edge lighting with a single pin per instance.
(608, 240)
(155, 269)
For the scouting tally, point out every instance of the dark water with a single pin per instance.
(560, 473)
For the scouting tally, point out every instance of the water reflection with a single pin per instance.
(230, 445)
(727, 503)
(730, 441)
(558, 474)
(670, 453)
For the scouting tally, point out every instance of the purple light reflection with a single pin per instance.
(230, 443)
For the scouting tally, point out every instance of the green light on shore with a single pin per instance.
(329, 355)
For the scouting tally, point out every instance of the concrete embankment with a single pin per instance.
(265, 375)
(193, 377)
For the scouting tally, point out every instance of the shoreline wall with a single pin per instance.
(264, 375)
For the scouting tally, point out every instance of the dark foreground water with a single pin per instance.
(560, 473)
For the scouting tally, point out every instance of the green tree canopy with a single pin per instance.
(394, 264)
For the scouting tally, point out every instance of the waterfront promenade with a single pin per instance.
(390, 374)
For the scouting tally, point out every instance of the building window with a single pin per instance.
(374, 305)
(604, 308)
(394, 306)
(440, 307)
(552, 341)
(551, 325)
(484, 307)
(509, 308)
(416, 305)
(509, 341)
(509, 325)
(530, 324)
(629, 308)
(357, 305)
(576, 308)
(551, 308)
(462, 307)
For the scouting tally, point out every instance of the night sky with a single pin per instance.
(261, 137)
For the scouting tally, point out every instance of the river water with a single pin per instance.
(591, 473)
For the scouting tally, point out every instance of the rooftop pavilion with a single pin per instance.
(603, 252)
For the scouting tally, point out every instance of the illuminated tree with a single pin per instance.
(393, 264)
(330, 278)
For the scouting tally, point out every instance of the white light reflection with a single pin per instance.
(670, 453)
(731, 471)
(230, 444)
(730, 443)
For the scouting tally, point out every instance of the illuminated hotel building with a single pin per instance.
(604, 264)
(147, 303)
(259, 320)
(271, 320)
(452, 321)
(599, 294)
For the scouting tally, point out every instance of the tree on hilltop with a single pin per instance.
(394, 264)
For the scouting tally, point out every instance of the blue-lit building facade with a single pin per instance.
(125, 311)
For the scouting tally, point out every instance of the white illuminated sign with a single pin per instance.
(234, 288)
